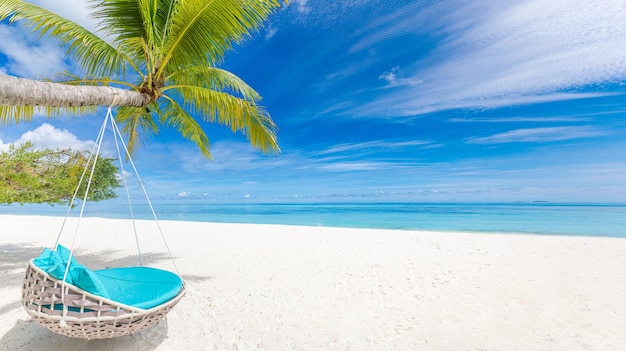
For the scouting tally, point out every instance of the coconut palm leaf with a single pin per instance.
(239, 114)
(174, 115)
(213, 78)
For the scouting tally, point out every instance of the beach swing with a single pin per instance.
(70, 299)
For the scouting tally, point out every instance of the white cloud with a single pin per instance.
(493, 54)
(47, 136)
(540, 135)
(302, 6)
(389, 76)
(33, 57)
(28, 56)
(124, 175)
(394, 80)
(270, 32)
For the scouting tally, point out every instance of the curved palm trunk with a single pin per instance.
(27, 92)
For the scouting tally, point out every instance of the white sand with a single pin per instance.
(266, 287)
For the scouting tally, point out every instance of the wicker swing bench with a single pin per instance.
(70, 299)
(77, 312)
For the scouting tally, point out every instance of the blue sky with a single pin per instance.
(396, 101)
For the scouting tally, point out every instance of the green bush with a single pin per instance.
(29, 175)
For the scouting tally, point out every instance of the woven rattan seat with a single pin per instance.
(88, 316)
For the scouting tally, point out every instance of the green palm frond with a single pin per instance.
(73, 79)
(213, 78)
(16, 114)
(136, 122)
(58, 112)
(239, 114)
(166, 11)
(94, 54)
(202, 31)
(173, 115)
(121, 19)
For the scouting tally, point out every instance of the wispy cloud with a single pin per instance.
(540, 135)
(351, 166)
(412, 18)
(518, 119)
(501, 54)
(378, 145)
(301, 5)
(228, 157)
(270, 32)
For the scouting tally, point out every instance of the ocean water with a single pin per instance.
(535, 218)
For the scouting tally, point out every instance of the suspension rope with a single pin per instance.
(130, 206)
(80, 216)
(156, 220)
(80, 182)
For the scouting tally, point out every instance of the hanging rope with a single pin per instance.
(143, 188)
(93, 157)
(130, 206)
(80, 181)
(80, 216)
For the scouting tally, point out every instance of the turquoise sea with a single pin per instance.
(535, 218)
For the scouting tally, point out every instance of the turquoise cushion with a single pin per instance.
(141, 287)
(55, 262)
(51, 262)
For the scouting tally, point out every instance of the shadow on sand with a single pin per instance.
(29, 335)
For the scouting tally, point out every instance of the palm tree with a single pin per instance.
(156, 60)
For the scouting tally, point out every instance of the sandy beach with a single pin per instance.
(270, 287)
